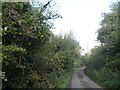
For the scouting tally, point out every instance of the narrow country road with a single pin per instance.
(80, 80)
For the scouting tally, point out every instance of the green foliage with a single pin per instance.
(32, 56)
(103, 64)
(56, 62)
(105, 77)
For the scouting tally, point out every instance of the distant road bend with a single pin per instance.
(80, 80)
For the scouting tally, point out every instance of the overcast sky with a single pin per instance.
(83, 18)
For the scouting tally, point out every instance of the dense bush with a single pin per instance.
(103, 63)
(32, 56)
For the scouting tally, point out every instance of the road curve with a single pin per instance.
(80, 80)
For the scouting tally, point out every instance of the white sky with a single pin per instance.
(82, 17)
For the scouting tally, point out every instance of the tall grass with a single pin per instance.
(104, 77)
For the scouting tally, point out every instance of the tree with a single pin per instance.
(104, 60)
(24, 34)
(38, 58)
(109, 35)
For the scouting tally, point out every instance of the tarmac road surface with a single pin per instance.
(80, 80)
